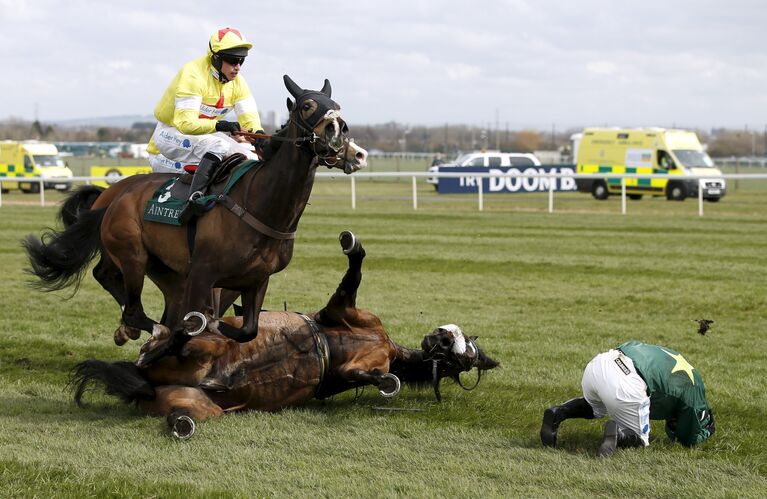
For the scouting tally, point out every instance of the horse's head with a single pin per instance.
(452, 353)
(318, 117)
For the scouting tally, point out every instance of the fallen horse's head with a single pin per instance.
(451, 353)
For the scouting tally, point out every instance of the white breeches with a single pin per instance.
(613, 388)
(178, 149)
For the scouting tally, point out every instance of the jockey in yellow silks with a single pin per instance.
(190, 128)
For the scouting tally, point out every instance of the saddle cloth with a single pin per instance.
(168, 200)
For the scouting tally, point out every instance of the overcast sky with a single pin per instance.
(524, 63)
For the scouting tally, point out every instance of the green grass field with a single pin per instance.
(544, 292)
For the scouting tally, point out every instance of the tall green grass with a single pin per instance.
(544, 292)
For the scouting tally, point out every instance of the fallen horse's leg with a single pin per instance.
(182, 406)
(344, 300)
(387, 383)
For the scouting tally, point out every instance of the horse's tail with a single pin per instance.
(119, 379)
(80, 200)
(59, 258)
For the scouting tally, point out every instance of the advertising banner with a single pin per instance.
(513, 179)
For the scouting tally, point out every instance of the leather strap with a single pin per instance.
(252, 221)
(323, 348)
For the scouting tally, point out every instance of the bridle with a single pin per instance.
(335, 148)
(450, 362)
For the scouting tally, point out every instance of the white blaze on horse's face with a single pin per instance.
(459, 341)
(332, 129)
(355, 157)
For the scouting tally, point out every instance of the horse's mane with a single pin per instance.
(274, 145)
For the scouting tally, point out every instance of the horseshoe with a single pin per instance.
(184, 427)
(202, 326)
(397, 385)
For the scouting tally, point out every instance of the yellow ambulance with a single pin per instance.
(645, 150)
(32, 158)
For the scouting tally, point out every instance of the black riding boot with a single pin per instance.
(553, 416)
(207, 166)
(615, 437)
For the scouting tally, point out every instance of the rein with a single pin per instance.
(254, 136)
(330, 160)
(312, 139)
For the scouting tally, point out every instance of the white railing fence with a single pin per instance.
(550, 177)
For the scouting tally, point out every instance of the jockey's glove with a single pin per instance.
(227, 126)
(711, 426)
(261, 143)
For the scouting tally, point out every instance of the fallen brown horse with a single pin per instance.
(294, 358)
(237, 248)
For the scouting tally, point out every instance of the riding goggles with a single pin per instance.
(233, 59)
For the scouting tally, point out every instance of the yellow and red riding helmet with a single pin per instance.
(227, 42)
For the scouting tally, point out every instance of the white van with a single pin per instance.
(487, 158)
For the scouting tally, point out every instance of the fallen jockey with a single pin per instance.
(631, 385)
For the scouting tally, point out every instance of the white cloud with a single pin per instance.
(601, 67)
(462, 71)
(535, 63)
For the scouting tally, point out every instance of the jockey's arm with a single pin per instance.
(245, 107)
(186, 117)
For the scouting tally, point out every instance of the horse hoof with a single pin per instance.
(152, 350)
(120, 337)
(392, 385)
(160, 332)
(188, 324)
(132, 332)
(124, 333)
(184, 427)
(349, 242)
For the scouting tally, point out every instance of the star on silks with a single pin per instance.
(681, 365)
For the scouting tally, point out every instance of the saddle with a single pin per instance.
(216, 182)
(169, 199)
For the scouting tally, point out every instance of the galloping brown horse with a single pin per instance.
(294, 358)
(227, 252)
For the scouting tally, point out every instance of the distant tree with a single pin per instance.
(102, 134)
(143, 125)
(526, 141)
(41, 131)
(734, 143)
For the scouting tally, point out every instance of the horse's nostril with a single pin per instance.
(360, 155)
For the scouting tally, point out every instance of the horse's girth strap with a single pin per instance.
(252, 221)
(323, 349)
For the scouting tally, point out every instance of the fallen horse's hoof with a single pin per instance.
(184, 427)
(349, 242)
(389, 385)
(152, 350)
